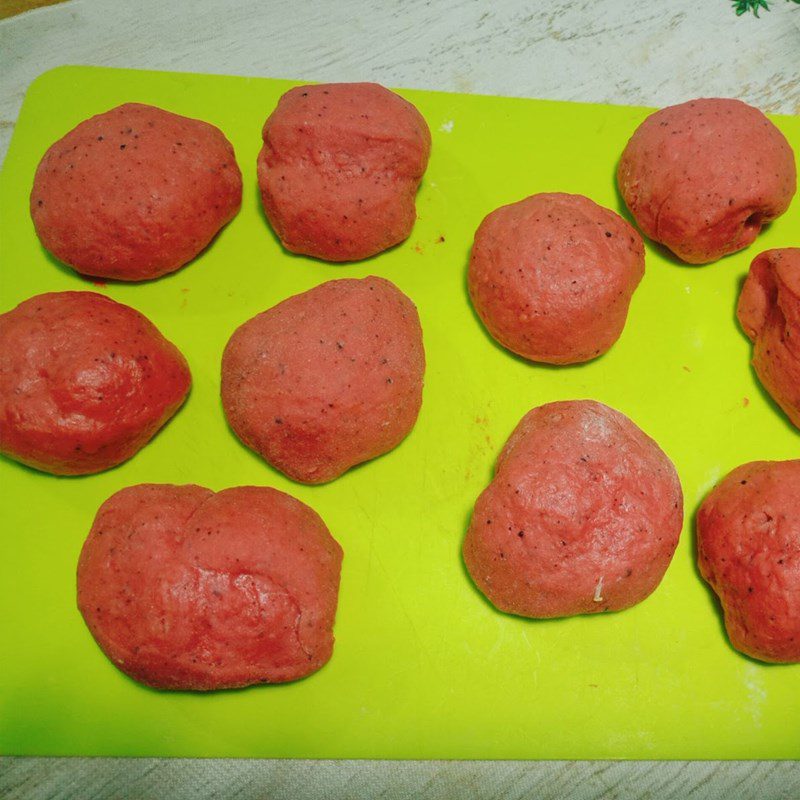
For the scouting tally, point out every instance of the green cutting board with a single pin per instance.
(423, 666)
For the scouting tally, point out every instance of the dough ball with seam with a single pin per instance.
(183, 588)
(340, 168)
(703, 177)
(769, 313)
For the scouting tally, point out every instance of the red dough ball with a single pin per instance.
(340, 168)
(748, 549)
(769, 312)
(186, 589)
(703, 177)
(326, 379)
(552, 277)
(134, 193)
(85, 382)
(583, 515)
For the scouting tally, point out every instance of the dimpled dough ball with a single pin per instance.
(703, 177)
(340, 168)
(85, 382)
(748, 549)
(326, 379)
(552, 276)
(769, 313)
(134, 193)
(583, 515)
(186, 589)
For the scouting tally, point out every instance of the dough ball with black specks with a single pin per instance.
(134, 193)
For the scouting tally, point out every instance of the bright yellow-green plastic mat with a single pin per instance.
(423, 666)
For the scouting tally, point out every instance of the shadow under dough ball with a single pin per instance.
(703, 177)
(85, 382)
(340, 168)
(552, 277)
(769, 313)
(583, 515)
(748, 550)
(135, 192)
(183, 588)
(326, 379)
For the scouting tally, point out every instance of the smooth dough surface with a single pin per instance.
(135, 192)
(769, 313)
(703, 177)
(85, 382)
(748, 549)
(583, 515)
(183, 588)
(340, 168)
(326, 379)
(552, 276)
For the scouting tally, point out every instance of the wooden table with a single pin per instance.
(612, 51)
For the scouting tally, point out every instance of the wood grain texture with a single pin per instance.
(188, 779)
(614, 51)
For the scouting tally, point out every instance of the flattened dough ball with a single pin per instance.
(583, 515)
(703, 177)
(340, 168)
(326, 379)
(748, 549)
(85, 382)
(135, 192)
(186, 589)
(769, 313)
(552, 276)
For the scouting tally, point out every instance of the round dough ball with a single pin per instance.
(748, 549)
(703, 177)
(340, 168)
(85, 382)
(186, 589)
(769, 313)
(583, 515)
(326, 379)
(552, 277)
(134, 193)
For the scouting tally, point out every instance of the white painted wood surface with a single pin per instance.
(642, 52)
(636, 52)
(151, 779)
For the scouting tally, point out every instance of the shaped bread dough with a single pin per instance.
(552, 276)
(135, 192)
(326, 379)
(340, 168)
(186, 589)
(583, 515)
(748, 549)
(85, 382)
(769, 313)
(704, 177)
